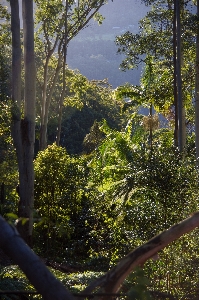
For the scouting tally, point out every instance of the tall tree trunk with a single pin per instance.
(46, 104)
(181, 108)
(16, 77)
(23, 130)
(61, 101)
(16, 53)
(151, 126)
(63, 78)
(45, 98)
(175, 92)
(84, 19)
(197, 89)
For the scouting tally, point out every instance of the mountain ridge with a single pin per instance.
(93, 51)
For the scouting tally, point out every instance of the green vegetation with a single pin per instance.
(75, 282)
(116, 178)
(13, 279)
(95, 208)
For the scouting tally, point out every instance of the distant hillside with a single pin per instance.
(94, 53)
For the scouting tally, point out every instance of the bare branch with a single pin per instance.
(81, 26)
(112, 280)
(50, 288)
(38, 274)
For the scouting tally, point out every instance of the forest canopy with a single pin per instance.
(87, 178)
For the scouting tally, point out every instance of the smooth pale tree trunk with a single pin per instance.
(61, 102)
(46, 100)
(197, 90)
(16, 53)
(47, 97)
(44, 97)
(23, 130)
(175, 92)
(51, 289)
(16, 78)
(151, 125)
(181, 108)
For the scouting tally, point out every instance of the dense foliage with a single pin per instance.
(96, 208)
(95, 102)
(5, 53)
(117, 179)
(155, 46)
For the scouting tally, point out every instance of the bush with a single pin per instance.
(61, 202)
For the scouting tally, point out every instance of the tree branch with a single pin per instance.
(37, 273)
(51, 289)
(76, 30)
(112, 280)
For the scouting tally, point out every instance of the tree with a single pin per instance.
(61, 101)
(93, 139)
(179, 59)
(62, 203)
(110, 283)
(60, 23)
(134, 183)
(5, 54)
(23, 129)
(158, 38)
(197, 86)
(85, 101)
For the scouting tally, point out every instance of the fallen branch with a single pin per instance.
(112, 280)
(38, 274)
(51, 289)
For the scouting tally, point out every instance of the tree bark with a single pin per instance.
(112, 280)
(16, 78)
(23, 130)
(35, 270)
(46, 104)
(197, 90)
(50, 288)
(84, 18)
(175, 92)
(45, 98)
(61, 101)
(16, 53)
(181, 108)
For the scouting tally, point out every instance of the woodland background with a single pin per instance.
(107, 177)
